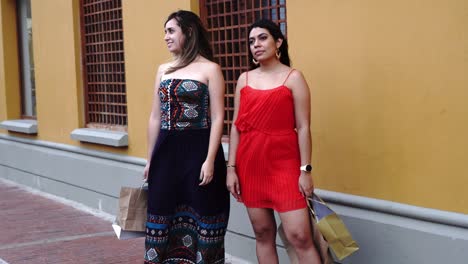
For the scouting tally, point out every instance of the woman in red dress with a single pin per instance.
(270, 145)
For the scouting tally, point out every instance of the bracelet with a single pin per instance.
(230, 166)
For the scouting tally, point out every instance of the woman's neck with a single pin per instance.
(270, 65)
(176, 58)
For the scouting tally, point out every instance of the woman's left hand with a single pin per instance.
(306, 184)
(206, 173)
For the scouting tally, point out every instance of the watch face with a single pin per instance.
(308, 168)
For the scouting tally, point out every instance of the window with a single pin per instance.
(103, 64)
(28, 90)
(227, 22)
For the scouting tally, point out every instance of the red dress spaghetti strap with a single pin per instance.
(268, 157)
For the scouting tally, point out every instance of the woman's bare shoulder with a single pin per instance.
(209, 65)
(296, 76)
(242, 77)
(164, 67)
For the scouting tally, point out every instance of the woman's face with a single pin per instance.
(173, 36)
(262, 44)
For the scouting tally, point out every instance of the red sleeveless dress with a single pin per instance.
(268, 157)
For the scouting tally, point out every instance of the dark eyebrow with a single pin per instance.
(259, 35)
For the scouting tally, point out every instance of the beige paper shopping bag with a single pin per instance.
(332, 228)
(132, 209)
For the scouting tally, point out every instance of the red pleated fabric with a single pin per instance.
(268, 157)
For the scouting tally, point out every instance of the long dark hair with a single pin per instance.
(196, 38)
(275, 31)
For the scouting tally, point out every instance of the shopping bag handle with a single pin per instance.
(139, 193)
(311, 206)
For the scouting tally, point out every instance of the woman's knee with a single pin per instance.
(264, 232)
(300, 239)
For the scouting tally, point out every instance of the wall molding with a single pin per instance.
(394, 208)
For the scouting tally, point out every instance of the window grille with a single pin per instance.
(103, 64)
(227, 22)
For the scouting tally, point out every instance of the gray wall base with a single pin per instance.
(94, 179)
(90, 180)
(390, 239)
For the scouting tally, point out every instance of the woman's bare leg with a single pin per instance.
(264, 226)
(297, 229)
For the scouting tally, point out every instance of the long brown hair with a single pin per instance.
(196, 39)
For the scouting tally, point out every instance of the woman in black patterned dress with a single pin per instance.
(188, 204)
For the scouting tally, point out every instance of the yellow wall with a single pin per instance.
(144, 51)
(57, 55)
(389, 84)
(57, 73)
(10, 102)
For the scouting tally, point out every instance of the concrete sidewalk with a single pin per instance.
(39, 228)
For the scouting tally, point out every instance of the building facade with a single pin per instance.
(388, 83)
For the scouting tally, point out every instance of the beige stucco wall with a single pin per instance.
(389, 84)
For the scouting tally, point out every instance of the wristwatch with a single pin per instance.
(306, 168)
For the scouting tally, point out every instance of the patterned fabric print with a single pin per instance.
(157, 231)
(184, 104)
(185, 238)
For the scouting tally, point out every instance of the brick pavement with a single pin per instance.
(35, 229)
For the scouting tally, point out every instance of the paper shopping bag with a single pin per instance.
(132, 212)
(332, 228)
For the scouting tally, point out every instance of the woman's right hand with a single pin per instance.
(232, 183)
(145, 172)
